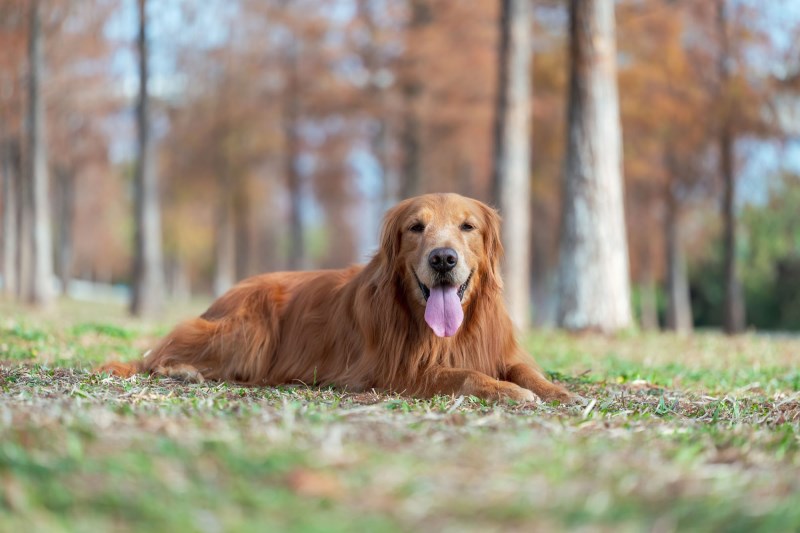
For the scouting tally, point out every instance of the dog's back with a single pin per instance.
(270, 329)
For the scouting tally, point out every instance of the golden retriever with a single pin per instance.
(424, 317)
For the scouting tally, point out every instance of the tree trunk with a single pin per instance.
(511, 180)
(648, 298)
(734, 301)
(225, 245)
(39, 288)
(24, 244)
(410, 139)
(297, 245)
(594, 287)
(10, 167)
(648, 302)
(679, 309)
(386, 195)
(242, 228)
(178, 280)
(379, 138)
(411, 87)
(734, 312)
(541, 281)
(148, 263)
(66, 199)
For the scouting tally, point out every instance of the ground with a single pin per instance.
(695, 433)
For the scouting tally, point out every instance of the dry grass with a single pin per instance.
(697, 434)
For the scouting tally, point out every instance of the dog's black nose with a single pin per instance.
(443, 259)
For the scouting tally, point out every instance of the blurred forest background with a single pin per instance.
(171, 154)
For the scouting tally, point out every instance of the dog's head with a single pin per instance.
(445, 249)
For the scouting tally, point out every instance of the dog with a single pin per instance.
(424, 317)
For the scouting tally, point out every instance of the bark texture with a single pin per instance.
(511, 183)
(65, 179)
(648, 296)
(412, 93)
(297, 245)
(10, 168)
(411, 184)
(148, 262)
(594, 286)
(734, 312)
(225, 238)
(648, 305)
(679, 309)
(38, 289)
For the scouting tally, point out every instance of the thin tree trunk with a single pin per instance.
(66, 197)
(411, 133)
(541, 282)
(179, 286)
(511, 180)
(10, 161)
(242, 228)
(39, 290)
(648, 299)
(411, 184)
(386, 194)
(297, 248)
(379, 140)
(648, 302)
(225, 245)
(24, 244)
(465, 176)
(734, 312)
(679, 309)
(297, 245)
(594, 287)
(734, 301)
(148, 266)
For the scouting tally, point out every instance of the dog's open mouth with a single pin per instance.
(443, 311)
(426, 292)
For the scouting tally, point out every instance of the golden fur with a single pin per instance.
(363, 327)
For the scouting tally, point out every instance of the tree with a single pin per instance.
(225, 238)
(291, 125)
(10, 169)
(734, 316)
(594, 291)
(679, 309)
(550, 82)
(666, 148)
(511, 178)
(148, 271)
(38, 289)
(412, 89)
(65, 183)
(13, 43)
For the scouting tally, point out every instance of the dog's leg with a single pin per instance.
(230, 349)
(528, 377)
(462, 382)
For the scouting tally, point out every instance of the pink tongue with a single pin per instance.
(443, 312)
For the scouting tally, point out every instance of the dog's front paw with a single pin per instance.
(510, 391)
(563, 396)
(182, 372)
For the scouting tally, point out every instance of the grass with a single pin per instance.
(697, 434)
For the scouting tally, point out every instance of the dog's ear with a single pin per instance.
(492, 244)
(391, 235)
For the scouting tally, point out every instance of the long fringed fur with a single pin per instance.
(354, 328)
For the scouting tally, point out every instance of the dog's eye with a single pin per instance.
(466, 226)
(419, 227)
